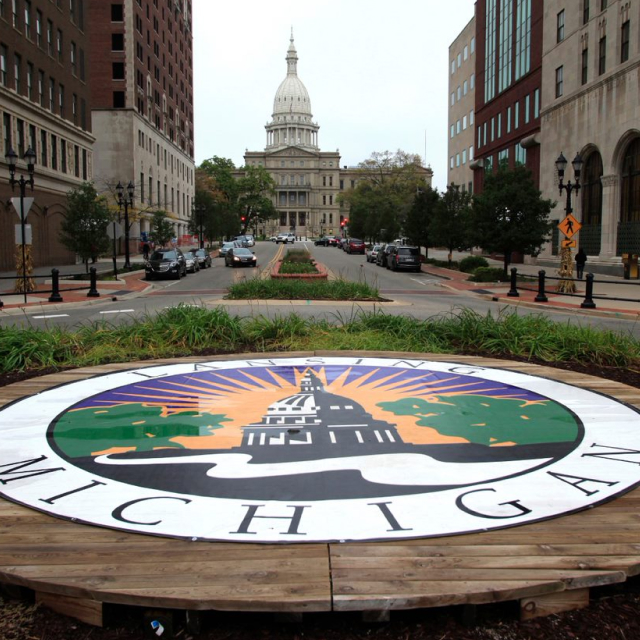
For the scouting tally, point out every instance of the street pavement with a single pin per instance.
(611, 295)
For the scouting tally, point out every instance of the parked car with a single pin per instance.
(342, 243)
(204, 258)
(381, 258)
(372, 254)
(240, 257)
(193, 264)
(325, 241)
(225, 247)
(403, 257)
(355, 245)
(333, 241)
(166, 263)
(285, 238)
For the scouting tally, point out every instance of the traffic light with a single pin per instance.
(243, 218)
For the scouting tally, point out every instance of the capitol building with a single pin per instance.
(308, 180)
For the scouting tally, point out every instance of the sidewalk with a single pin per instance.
(605, 290)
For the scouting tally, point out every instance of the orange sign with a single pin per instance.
(569, 244)
(569, 226)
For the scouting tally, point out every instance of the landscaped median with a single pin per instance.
(298, 264)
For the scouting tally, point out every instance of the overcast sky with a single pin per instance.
(376, 72)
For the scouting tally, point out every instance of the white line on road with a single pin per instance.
(60, 315)
(419, 281)
(117, 311)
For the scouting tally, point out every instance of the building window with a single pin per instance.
(27, 18)
(54, 152)
(116, 13)
(59, 45)
(117, 42)
(6, 121)
(630, 210)
(602, 55)
(536, 103)
(624, 42)
(521, 154)
(527, 109)
(559, 81)
(50, 37)
(516, 115)
(52, 94)
(39, 28)
(490, 51)
(560, 26)
(14, 4)
(117, 70)
(508, 119)
(592, 189)
(118, 99)
(29, 80)
(603, 4)
(63, 155)
(585, 65)
(3, 65)
(585, 12)
(44, 154)
(41, 87)
(20, 135)
(61, 99)
(17, 69)
(506, 44)
(523, 38)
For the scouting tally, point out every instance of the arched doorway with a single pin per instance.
(591, 231)
(629, 225)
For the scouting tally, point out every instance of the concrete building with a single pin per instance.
(508, 81)
(141, 60)
(590, 89)
(462, 75)
(308, 180)
(44, 105)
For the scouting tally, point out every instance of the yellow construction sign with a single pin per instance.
(569, 226)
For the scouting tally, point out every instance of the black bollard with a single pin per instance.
(55, 286)
(588, 302)
(93, 290)
(541, 297)
(513, 292)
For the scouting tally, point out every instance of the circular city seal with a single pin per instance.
(316, 449)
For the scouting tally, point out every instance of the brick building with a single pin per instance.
(141, 80)
(44, 105)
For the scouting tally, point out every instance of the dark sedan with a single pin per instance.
(240, 257)
(383, 254)
(166, 263)
(404, 258)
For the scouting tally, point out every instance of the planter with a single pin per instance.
(321, 275)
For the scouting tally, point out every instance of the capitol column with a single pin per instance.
(610, 216)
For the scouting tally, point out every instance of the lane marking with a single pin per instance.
(117, 311)
(60, 315)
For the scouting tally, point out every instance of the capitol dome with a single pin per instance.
(292, 121)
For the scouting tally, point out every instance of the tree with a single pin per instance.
(161, 228)
(420, 217)
(256, 189)
(510, 214)
(84, 229)
(451, 222)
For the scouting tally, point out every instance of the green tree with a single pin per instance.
(256, 190)
(451, 220)
(84, 229)
(420, 217)
(510, 214)
(161, 228)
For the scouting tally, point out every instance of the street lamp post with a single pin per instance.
(568, 224)
(126, 201)
(30, 158)
(199, 210)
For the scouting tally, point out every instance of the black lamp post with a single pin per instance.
(126, 201)
(561, 165)
(199, 210)
(30, 158)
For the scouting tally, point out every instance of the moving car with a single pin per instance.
(166, 263)
(372, 254)
(325, 241)
(240, 257)
(355, 245)
(193, 264)
(285, 238)
(250, 240)
(404, 257)
(225, 247)
(204, 258)
(241, 241)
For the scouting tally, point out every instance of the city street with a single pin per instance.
(422, 296)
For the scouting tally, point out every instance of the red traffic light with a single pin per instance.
(242, 218)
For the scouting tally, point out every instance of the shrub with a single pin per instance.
(471, 263)
(488, 274)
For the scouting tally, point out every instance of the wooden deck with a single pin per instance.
(546, 566)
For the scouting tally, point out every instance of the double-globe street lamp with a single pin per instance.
(126, 201)
(30, 158)
(561, 165)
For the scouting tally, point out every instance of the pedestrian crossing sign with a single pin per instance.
(569, 244)
(569, 226)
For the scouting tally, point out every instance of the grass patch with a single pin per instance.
(302, 290)
(186, 330)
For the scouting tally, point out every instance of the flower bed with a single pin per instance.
(320, 275)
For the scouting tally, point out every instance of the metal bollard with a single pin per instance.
(513, 292)
(93, 290)
(588, 302)
(55, 286)
(541, 297)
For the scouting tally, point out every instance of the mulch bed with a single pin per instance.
(614, 613)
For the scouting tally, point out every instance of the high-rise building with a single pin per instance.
(141, 60)
(590, 89)
(44, 106)
(462, 83)
(508, 82)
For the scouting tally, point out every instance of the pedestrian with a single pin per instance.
(145, 250)
(581, 258)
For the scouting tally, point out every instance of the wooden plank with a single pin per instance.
(548, 604)
(88, 611)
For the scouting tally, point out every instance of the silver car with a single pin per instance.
(372, 253)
